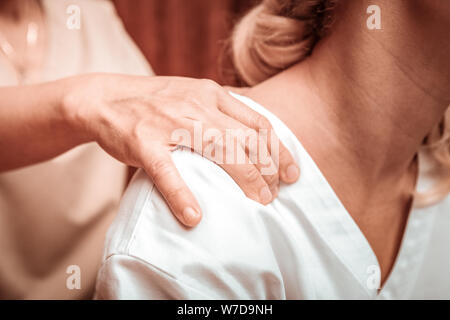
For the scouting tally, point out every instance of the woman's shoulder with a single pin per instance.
(146, 224)
(235, 240)
(144, 218)
(230, 240)
(227, 213)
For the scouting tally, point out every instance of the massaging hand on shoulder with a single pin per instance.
(132, 118)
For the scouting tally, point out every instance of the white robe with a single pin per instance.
(304, 245)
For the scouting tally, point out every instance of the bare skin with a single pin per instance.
(369, 98)
(130, 117)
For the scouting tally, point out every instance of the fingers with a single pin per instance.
(249, 179)
(167, 179)
(259, 156)
(288, 170)
(223, 141)
(236, 151)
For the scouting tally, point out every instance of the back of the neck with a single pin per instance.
(362, 104)
(369, 97)
(385, 89)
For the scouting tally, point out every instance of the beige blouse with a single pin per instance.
(54, 214)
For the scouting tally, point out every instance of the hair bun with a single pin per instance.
(275, 35)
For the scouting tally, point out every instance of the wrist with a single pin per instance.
(70, 108)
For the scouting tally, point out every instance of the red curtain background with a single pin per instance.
(182, 37)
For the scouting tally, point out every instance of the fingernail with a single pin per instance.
(190, 216)
(265, 195)
(292, 173)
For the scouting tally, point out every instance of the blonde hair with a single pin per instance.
(277, 34)
(437, 147)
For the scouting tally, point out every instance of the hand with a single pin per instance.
(134, 118)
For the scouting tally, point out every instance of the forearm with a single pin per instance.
(134, 119)
(33, 125)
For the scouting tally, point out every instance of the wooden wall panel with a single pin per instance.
(182, 37)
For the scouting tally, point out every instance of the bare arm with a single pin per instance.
(33, 127)
(133, 119)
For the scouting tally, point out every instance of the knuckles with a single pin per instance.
(271, 180)
(174, 193)
(261, 122)
(251, 174)
(159, 169)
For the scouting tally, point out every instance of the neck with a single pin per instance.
(370, 97)
(381, 91)
(384, 90)
(362, 105)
